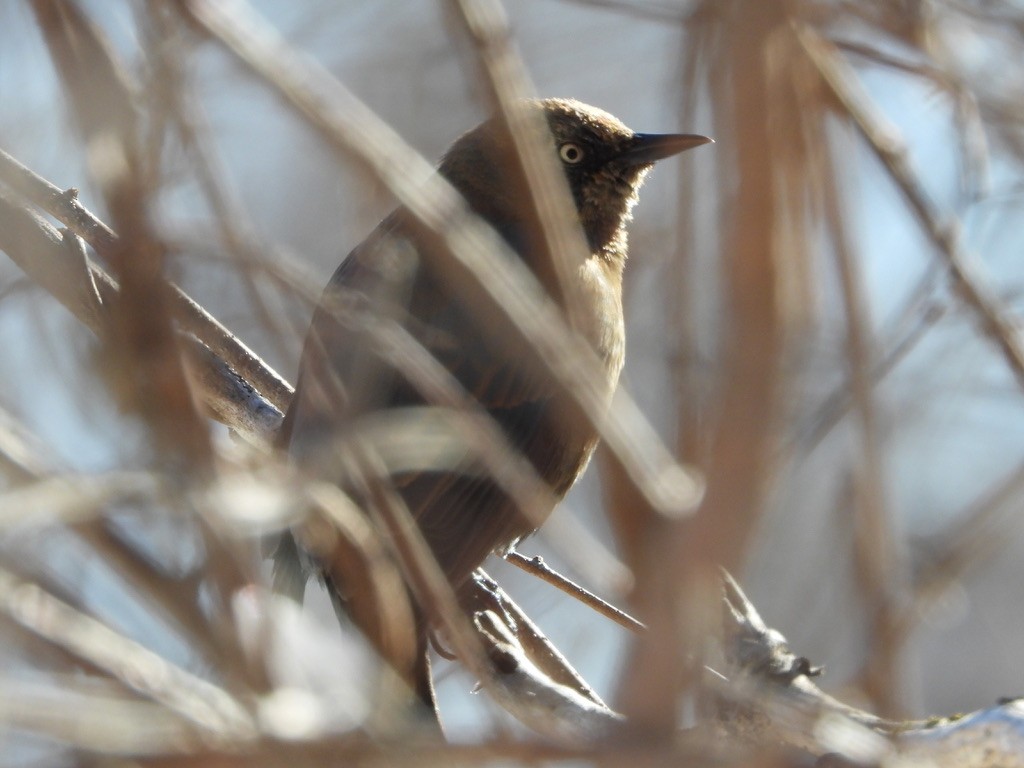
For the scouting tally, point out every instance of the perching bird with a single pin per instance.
(464, 517)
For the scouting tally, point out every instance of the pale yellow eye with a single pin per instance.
(570, 153)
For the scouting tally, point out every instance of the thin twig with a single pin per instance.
(836, 404)
(636, 9)
(537, 567)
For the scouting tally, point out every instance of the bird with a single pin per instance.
(463, 517)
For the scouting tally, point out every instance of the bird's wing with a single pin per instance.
(289, 577)
(340, 377)
(463, 517)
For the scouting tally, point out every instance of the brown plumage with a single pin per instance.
(465, 517)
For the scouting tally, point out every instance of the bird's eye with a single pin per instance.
(570, 153)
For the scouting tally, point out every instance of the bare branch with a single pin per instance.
(942, 228)
(39, 250)
(66, 208)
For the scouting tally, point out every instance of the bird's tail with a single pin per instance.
(288, 574)
(289, 579)
(418, 681)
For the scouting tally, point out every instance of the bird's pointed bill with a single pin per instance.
(648, 148)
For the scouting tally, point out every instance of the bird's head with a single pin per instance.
(604, 161)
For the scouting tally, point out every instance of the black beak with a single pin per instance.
(647, 148)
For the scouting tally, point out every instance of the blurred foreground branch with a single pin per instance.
(44, 254)
(759, 694)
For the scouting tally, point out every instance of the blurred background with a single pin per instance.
(886, 527)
